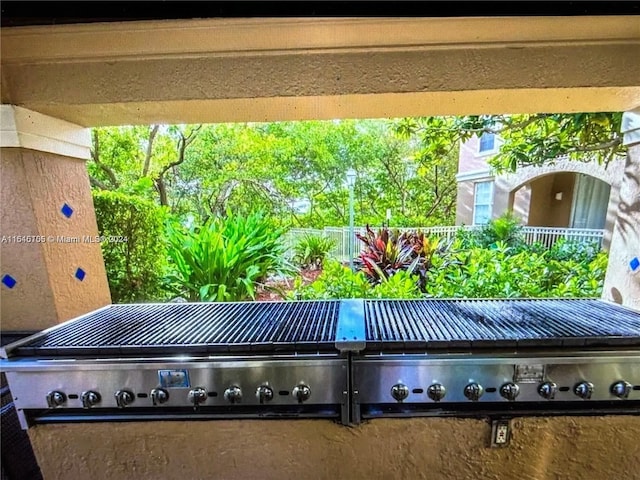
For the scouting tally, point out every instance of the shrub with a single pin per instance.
(134, 267)
(579, 251)
(337, 281)
(225, 258)
(506, 229)
(311, 251)
(500, 273)
(388, 252)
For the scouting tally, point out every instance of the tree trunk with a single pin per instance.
(147, 158)
(162, 191)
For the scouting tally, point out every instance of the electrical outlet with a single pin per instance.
(500, 433)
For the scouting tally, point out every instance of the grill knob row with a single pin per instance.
(510, 391)
(400, 392)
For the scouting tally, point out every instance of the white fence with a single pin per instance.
(544, 235)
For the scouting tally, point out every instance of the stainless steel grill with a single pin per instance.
(345, 360)
(194, 328)
(473, 324)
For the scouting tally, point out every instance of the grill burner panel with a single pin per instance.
(476, 324)
(193, 328)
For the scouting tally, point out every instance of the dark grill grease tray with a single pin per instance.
(193, 328)
(471, 324)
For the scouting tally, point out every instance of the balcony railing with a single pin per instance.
(546, 236)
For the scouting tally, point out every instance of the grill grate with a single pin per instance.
(194, 327)
(426, 324)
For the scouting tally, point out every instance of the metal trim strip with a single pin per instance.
(350, 331)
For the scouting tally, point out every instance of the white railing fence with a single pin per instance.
(546, 236)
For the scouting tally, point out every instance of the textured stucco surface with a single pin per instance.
(30, 304)
(128, 90)
(35, 186)
(622, 284)
(584, 448)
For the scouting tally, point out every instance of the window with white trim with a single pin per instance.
(482, 202)
(487, 143)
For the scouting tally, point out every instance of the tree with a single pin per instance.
(205, 171)
(527, 139)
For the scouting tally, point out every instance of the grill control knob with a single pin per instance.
(583, 390)
(197, 396)
(233, 394)
(124, 398)
(436, 392)
(159, 395)
(399, 391)
(264, 393)
(90, 398)
(301, 392)
(55, 399)
(510, 391)
(473, 391)
(621, 389)
(547, 390)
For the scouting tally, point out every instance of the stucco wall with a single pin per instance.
(545, 209)
(24, 262)
(35, 187)
(464, 203)
(581, 448)
(469, 159)
(622, 282)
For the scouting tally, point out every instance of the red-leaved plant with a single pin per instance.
(389, 251)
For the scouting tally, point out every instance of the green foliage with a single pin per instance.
(578, 251)
(133, 250)
(311, 251)
(507, 229)
(271, 166)
(497, 272)
(525, 139)
(500, 273)
(400, 285)
(225, 258)
(388, 252)
(337, 281)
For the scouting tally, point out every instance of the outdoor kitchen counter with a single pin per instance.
(411, 448)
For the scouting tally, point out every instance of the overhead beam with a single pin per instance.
(216, 70)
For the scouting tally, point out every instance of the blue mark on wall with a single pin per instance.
(80, 274)
(634, 264)
(66, 210)
(8, 281)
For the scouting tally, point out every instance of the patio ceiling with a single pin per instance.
(216, 70)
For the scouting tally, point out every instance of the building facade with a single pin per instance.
(565, 194)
